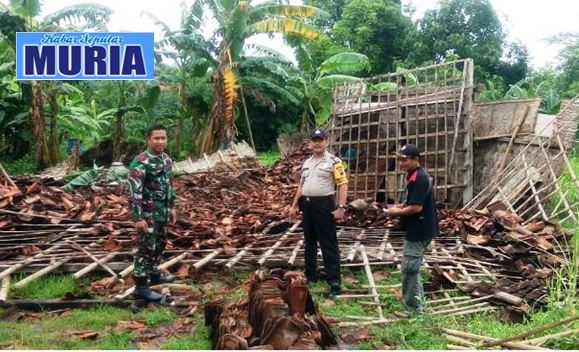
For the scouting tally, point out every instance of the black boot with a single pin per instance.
(143, 291)
(161, 279)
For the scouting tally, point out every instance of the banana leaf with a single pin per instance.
(87, 178)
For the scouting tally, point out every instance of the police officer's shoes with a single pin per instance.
(161, 279)
(143, 291)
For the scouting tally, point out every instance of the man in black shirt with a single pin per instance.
(420, 221)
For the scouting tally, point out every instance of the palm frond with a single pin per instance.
(192, 17)
(266, 65)
(264, 49)
(67, 89)
(285, 26)
(10, 24)
(157, 22)
(152, 92)
(91, 15)
(347, 63)
(296, 92)
(262, 11)
(267, 86)
(261, 98)
(334, 80)
(217, 10)
(26, 8)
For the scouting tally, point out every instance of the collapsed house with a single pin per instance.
(502, 155)
(500, 159)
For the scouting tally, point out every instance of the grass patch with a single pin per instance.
(268, 158)
(54, 332)
(51, 286)
(158, 316)
(199, 340)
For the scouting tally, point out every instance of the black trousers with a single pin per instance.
(320, 226)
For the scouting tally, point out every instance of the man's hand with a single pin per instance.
(339, 214)
(173, 216)
(393, 212)
(293, 214)
(141, 226)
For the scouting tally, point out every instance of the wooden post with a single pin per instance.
(5, 289)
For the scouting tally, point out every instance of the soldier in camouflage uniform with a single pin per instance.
(151, 201)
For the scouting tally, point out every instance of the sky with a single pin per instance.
(527, 21)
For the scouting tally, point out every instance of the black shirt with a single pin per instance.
(424, 225)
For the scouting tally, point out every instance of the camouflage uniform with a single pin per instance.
(151, 199)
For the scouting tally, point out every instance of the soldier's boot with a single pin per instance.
(143, 291)
(161, 279)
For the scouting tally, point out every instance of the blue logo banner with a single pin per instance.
(84, 55)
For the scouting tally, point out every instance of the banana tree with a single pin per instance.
(315, 88)
(194, 58)
(22, 16)
(237, 21)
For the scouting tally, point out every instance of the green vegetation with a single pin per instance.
(52, 286)
(268, 158)
(199, 340)
(420, 332)
(205, 85)
(54, 332)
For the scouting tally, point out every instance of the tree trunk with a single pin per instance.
(118, 142)
(119, 124)
(38, 126)
(212, 133)
(182, 110)
(219, 129)
(54, 144)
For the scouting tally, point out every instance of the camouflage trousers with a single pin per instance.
(150, 247)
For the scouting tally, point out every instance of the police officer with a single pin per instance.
(321, 174)
(420, 221)
(151, 201)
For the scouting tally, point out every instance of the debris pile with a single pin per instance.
(528, 253)
(279, 313)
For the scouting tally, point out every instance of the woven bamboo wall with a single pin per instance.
(430, 107)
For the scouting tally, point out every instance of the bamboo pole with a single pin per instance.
(201, 263)
(514, 345)
(532, 331)
(371, 281)
(518, 126)
(344, 324)
(53, 266)
(7, 177)
(295, 252)
(5, 289)
(93, 266)
(21, 265)
(27, 280)
(163, 266)
(95, 259)
(541, 340)
(458, 309)
(270, 251)
(459, 340)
